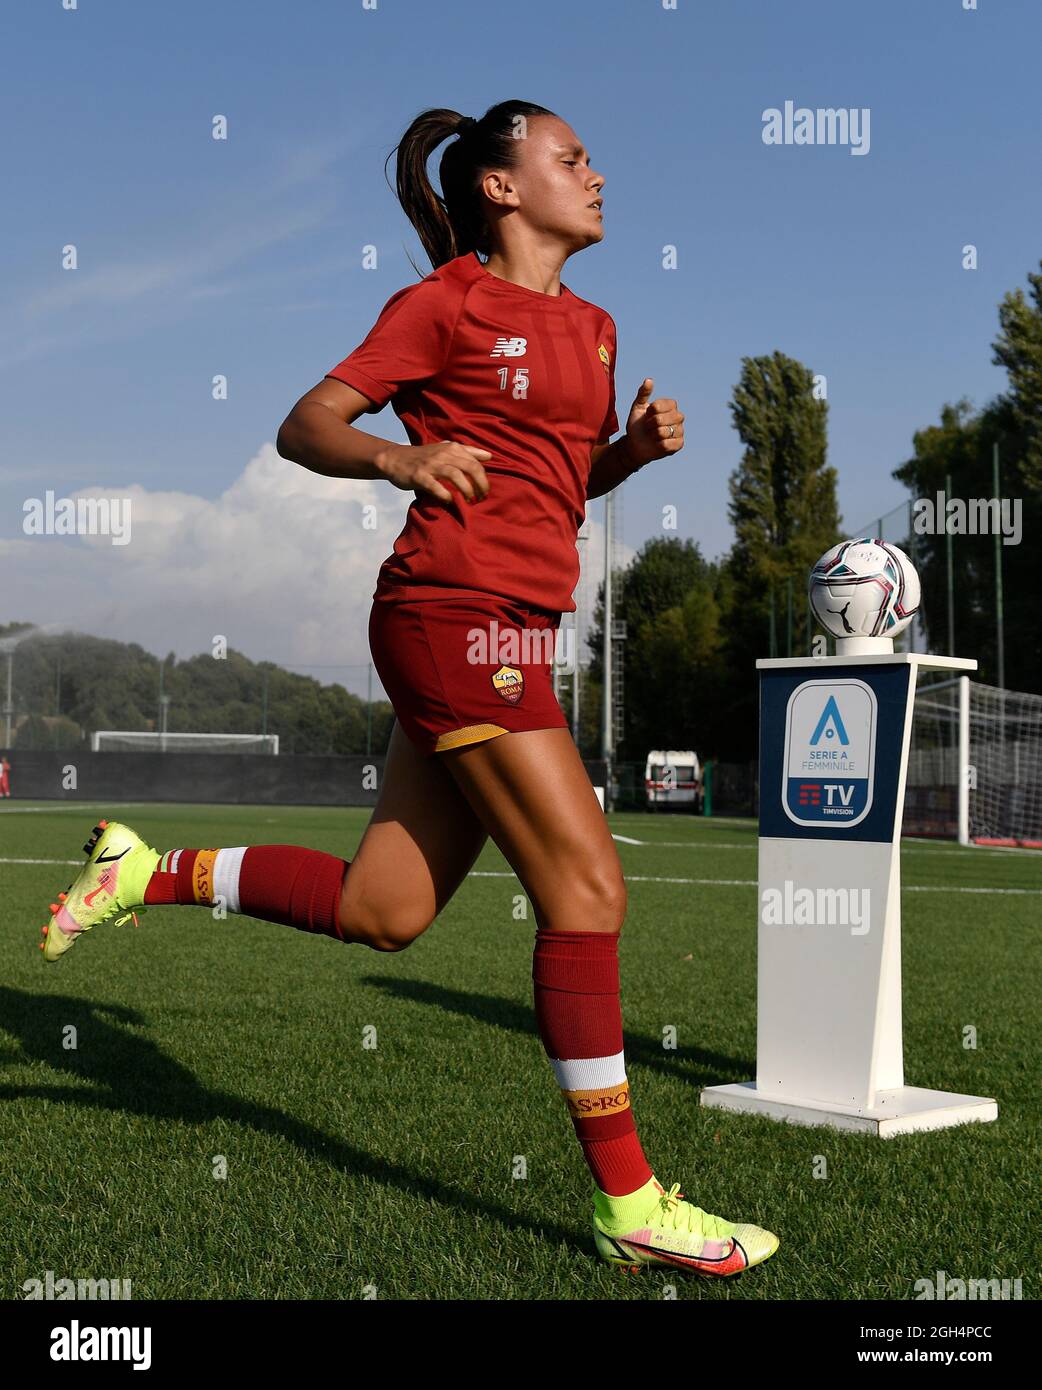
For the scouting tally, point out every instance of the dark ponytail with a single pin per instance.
(453, 224)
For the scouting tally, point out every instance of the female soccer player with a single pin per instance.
(504, 381)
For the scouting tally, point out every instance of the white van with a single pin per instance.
(673, 777)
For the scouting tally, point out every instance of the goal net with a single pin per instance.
(122, 741)
(988, 740)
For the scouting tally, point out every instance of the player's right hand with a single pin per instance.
(426, 468)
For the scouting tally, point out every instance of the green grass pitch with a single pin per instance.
(441, 1164)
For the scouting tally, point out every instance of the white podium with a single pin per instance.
(834, 736)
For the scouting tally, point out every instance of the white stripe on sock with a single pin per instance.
(589, 1073)
(226, 867)
(175, 855)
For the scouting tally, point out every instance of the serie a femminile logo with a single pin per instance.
(829, 764)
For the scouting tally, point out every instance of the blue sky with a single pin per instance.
(242, 258)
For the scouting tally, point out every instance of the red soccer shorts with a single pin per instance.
(462, 670)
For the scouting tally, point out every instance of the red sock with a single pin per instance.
(576, 977)
(278, 883)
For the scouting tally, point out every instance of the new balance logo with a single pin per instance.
(509, 347)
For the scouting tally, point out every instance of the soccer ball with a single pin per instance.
(864, 588)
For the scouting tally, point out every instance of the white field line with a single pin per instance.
(685, 844)
(752, 883)
(81, 861)
(52, 807)
(643, 817)
(921, 846)
(700, 882)
(931, 847)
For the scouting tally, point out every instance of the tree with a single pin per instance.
(115, 685)
(1018, 348)
(961, 447)
(785, 515)
(673, 683)
(783, 494)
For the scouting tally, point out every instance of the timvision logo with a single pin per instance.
(830, 745)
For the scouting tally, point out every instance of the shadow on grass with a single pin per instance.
(697, 1066)
(124, 1071)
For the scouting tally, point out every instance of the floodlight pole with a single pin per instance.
(164, 706)
(578, 648)
(369, 712)
(606, 731)
(575, 685)
(999, 638)
(949, 564)
(8, 702)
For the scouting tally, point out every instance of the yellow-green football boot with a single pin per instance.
(656, 1227)
(110, 885)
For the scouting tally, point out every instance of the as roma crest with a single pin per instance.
(509, 682)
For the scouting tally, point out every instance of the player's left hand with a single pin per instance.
(654, 429)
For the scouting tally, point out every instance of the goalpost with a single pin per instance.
(129, 741)
(975, 765)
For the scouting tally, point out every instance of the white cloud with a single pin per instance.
(280, 564)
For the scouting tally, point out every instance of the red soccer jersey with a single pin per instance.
(478, 360)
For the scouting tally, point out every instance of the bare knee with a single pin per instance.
(386, 931)
(612, 899)
(592, 900)
(377, 916)
(386, 943)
